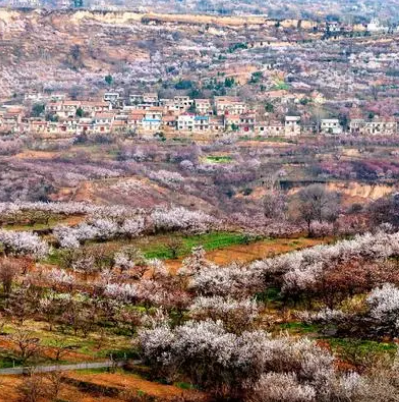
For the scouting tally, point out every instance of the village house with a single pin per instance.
(165, 101)
(90, 108)
(143, 106)
(232, 122)
(103, 122)
(54, 128)
(330, 126)
(36, 97)
(270, 129)
(135, 99)
(182, 102)
(151, 122)
(203, 106)
(247, 122)
(376, 126)
(216, 123)
(376, 26)
(261, 128)
(53, 108)
(169, 122)
(57, 97)
(69, 109)
(134, 119)
(380, 126)
(35, 126)
(154, 112)
(144, 101)
(85, 125)
(333, 27)
(201, 123)
(119, 126)
(63, 109)
(111, 97)
(152, 119)
(292, 126)
(229, 105)
(168, 105)
(356, 126)
(67, 127)
(11, 119)
(185, 122)
(151, 98)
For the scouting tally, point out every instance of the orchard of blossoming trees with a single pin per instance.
(207, 263)
(214, 326)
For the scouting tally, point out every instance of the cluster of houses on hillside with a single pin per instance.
(146, 114)
(374, 126)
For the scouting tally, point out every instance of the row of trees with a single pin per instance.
(156, 221)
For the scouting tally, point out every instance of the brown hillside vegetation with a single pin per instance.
(76, 388)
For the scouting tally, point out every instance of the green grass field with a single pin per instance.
(210, 241)
(218, 159)
(157, 246)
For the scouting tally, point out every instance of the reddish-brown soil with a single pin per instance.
(128, 384)
(245, 253)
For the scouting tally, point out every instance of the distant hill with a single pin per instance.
(300, 9)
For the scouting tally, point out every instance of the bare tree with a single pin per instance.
(274, 201)
(9, 269)
(54, 380)
(27, 345)
(19, 305)
(174, 245)
(32, 388)
(61, 348)
(316, 203)
(274, 204)
(38, 386)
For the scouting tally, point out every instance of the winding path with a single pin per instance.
(65, 367)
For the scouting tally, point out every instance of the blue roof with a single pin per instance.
(152, 120)
(201, 118)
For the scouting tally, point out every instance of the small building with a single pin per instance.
(104, 118)
(103, 122)
(232, 122)
(333, 27)
(182, 102)
(185, 122)
(331, 126)
(379, 126)
(134, 119)
(247, 122)
(169, 122)
(216, 124)
(203, 106)
(136, 99)
(91, 108)
(201, 123)
(292, 126)
(227, 106)
(151, 98)
(154, 112)
(151, 124)
(356, 126)
(111, 97)
(276, 129)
